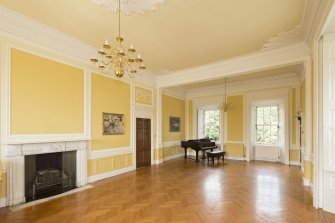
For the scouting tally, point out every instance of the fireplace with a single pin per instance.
(44, 166)
(49, 174)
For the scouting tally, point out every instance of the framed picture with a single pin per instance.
(174, 124)
(113, 124)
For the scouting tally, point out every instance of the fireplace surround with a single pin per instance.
(17, 154)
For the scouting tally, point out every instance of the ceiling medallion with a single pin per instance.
(129, 6)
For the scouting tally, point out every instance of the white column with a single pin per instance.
(159, 143)
(308, 111)
(81, 167)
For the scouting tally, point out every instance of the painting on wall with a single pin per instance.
(113, 124)
(174, 124)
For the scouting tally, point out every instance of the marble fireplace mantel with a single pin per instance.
(16, 168)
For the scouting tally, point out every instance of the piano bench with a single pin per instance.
(215, 154)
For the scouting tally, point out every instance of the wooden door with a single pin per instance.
(143, 142)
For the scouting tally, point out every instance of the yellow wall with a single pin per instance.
(293, 118)
(294, 155)
(190, 120)
(175, 107)
(303, 109)
(308, 170)
(111, 96)
(3, 185)
(172, 151)
(107, 164)
(234, 150)
(47, 97)
(235, 119)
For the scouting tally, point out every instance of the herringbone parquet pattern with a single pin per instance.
(184, 191)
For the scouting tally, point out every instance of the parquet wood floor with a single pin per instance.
(181, 191)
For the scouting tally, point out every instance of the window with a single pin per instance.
(267, 125)
(212, 124)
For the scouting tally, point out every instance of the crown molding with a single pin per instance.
(261, 60)
(279, 81)
(24, 29)
(28, 31)
(284, 39)
(314, 19)
(174, 94)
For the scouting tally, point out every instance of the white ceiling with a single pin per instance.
(180, 34)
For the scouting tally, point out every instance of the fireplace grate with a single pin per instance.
(49, 179)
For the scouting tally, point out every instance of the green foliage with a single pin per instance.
(212, 124)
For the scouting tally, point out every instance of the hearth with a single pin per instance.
(49, 174)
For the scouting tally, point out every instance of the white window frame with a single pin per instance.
(256, 125)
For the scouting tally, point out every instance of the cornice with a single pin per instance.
(315, 16)
(27, 30)
(279, 81)
(261, 60)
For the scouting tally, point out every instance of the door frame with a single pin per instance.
(146, 115)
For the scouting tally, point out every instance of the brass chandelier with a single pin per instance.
(116, 60)
(225, 106)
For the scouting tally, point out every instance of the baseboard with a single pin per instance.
(156, 162)
(307, 182)
(110, 174)
(173, 157)
(3, 202)
(235, 158)
(295, 163)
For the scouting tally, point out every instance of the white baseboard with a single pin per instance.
(235, 158)
(110, 174)
(307, 182)
(156, 162)
(295, 163)
(3, 202)
(173, 157)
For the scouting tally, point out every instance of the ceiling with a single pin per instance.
(180, 34)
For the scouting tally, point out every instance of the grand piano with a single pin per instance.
(198, 145)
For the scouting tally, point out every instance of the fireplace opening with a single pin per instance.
(49, 174)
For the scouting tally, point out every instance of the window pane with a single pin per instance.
(212, 124)
(267, 115)
(260, 120)
(259, 111)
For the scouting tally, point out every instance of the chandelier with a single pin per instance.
(114, 59)
(129, 6)
(225, 106)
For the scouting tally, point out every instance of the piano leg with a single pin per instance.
(185, 157)
(197, 155)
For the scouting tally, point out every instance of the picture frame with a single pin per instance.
(174, 124)
(113, 124)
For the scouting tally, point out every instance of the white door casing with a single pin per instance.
(329, 125)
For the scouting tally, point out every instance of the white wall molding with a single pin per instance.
(258, 61)
(96, 154)
(110, 174)
(24, 29)
(3, 202)
(235, 158)
(171, 143)
(278, 81)
(174, 157)
(295, 163)
(306, 182)
(178, 95)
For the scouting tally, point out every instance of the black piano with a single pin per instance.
(198, 145)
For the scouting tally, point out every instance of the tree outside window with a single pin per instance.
(212, 124)
(267, 125)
